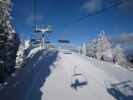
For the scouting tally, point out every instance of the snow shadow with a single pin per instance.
(45, 63)
(27, 83)
(122, 90)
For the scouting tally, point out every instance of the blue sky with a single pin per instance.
(67, 18)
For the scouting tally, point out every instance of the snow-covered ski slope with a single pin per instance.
(105, 81)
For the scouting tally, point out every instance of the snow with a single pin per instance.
(77, 77)
(27, 44)
(23, 51)
(33, 52)
(99, 76)
(113, 69)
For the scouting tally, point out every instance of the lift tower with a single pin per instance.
(40, 31)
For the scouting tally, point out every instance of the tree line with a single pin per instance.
(9, 41)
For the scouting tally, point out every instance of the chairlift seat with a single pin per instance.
(78, 80)
(48, 42)
(63, 41)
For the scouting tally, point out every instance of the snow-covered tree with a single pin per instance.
(91, 48)
(23, 51)
(103, 47)
(119, 56)
(20, 55)
(83, 49)
(9, 40)
(100, 47)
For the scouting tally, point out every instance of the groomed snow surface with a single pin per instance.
(103, 81)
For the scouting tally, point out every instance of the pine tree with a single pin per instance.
(9, 40)
(3, 41)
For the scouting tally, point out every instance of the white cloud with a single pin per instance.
(124, 6)
(125, 38)
(92, 6)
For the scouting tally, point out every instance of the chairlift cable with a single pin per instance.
(34, 13)
(92, 14)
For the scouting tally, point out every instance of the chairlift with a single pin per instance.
(36, 30)
(47, 42)
(42, 29)
(35, 41)
(32, 40)
(78, 80)
(63, 41)
(39, 28)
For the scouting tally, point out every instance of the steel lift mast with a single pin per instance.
(40, 29)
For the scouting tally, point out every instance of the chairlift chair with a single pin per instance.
(48, 42)
(78, 80)
(35, 41)
(63, 41)
(42, 29)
